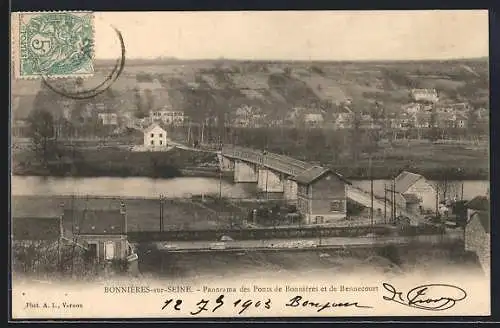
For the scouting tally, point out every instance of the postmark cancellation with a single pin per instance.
(52, 44)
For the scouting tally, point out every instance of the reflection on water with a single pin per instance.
(185, 186)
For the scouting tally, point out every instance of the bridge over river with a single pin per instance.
(275, 173)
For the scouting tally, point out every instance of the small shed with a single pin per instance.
(104, 232)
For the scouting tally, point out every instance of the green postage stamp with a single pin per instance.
(53, 44)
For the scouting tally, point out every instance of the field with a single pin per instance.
(142, 214)
(202, 87)
(434, 161)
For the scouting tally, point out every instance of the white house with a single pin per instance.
(155, 136)
(477, 230)
(108, 118)
(167, 116)
(427, 95)
(313, 119)
(343, 120)
(412, 108)
(415, 186)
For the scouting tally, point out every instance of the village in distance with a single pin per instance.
(180, 161)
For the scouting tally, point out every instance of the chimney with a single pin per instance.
(123, 211)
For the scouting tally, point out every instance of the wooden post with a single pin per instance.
(371, 192)
(161, 212)
(385, 203)
(61, 235)
(437, 200)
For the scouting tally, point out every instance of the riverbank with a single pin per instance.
(116, 162)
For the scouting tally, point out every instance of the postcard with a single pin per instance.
(249, 164)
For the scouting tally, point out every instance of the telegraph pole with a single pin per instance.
(161, 213)
(371, 191)
(385, 203)
(267, 171)
(220, 176)
(394, 196)
(437, 200)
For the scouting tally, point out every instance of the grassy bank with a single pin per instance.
(111, 162)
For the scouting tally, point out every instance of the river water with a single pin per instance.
(181, 187)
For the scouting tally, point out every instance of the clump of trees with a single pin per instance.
(41, 131)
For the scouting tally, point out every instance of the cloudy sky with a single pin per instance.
(311, 35)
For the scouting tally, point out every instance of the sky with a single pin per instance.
(295, 35)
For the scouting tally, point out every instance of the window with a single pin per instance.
(336, 206)
(152, 135)
(161, 142)
(161, 135)
(152, 142)
(109, 250)
(93, 252)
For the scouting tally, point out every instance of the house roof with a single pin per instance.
(484, 220)
(152, 126)
(94, 222)
(480, 203)
(405, 180)
(411, 198)
(312, 174)
(35, 228)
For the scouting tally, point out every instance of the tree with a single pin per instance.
(355, 135)
(139, 113)
(150, 100)
(41, 133)
(433, 133)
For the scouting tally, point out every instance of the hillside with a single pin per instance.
(218, 87)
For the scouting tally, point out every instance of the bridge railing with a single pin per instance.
(273, 161)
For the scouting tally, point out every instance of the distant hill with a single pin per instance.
(219, 86)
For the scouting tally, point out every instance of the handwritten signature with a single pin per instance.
(432, 297)
(298, 301)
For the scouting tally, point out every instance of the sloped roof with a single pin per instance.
(411, 198)
(405, 180)
(480, 203)
(484, 220)
(35, 228)
(312, 174)
(155, 124)
(94, 222)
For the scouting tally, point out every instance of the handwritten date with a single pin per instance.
(432, 297)
(205, 305)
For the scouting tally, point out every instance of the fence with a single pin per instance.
(272, 233)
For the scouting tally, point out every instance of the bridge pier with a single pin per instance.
(245, 172)
(270, 181)
(225, 163)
